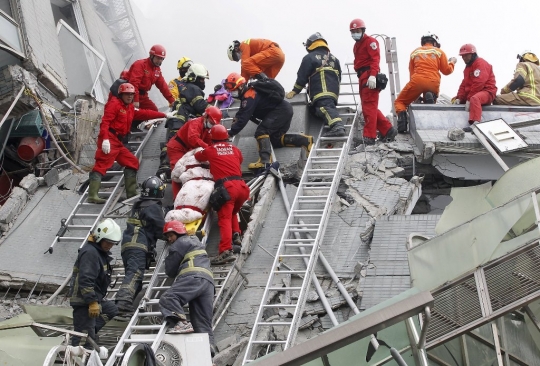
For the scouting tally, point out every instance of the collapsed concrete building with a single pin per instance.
(383, 242)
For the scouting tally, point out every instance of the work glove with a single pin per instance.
(136, 105)
(505, 90)
(106, 146)
(261, 76)
(217, 87)
(170, 114)
(467, 106)
(290, 94)
(93, 309)
(452, 60)
(456, 101)
(371, 82)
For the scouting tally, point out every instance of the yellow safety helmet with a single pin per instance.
(184, 63)
(528, 56)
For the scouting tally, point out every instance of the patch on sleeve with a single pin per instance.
(476, 73)
(244, 103)
(373, 45)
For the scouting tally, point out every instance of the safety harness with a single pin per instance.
(189, 257)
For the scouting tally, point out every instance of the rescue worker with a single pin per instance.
(366, 64)
(147, 72)
(175, 84)
(113, 90)
(273, 120)
(225, 165)
(144, 227)
(188, 264)
(478, 85)
(195, 133)
(321, 70)
(425, 66)
(115, 125)
(91, 278)
(524, 88)
(261, 58)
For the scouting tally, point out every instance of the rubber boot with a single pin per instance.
(130, 182)
(265, 153)
(402, 122)
(164, 170)
(336, 130)
(297, 140)
(93, 188)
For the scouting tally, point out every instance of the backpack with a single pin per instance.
(271, 88)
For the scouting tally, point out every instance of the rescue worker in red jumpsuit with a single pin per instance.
(478, 86)
(425, 66)
(147, 72)
(366, 64)
(225, 165)
(195, 133)
(115, 125)
(261, 58)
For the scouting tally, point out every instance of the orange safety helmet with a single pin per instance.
(158, 50)
(357, 24)
(234, 81)
(466, 49)
(218, 133)
(175, 227)
(124, 75)
(126, 88)
(214, 114)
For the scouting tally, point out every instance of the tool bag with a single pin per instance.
(381, 80)
(219, 197)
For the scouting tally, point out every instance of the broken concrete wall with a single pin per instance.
(11, 77)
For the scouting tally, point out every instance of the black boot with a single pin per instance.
(430, 98)
(265, 153)
(336, 130)
(297, 140)
(164, 170)
(402, 122)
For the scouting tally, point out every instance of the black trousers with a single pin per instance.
(276, 124)
(135, 265)
(326, 109)
(84, 324)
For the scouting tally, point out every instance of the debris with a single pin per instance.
(29, 183)
(51, 177)
(456, 134)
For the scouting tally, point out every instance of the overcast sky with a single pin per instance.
(202, 30)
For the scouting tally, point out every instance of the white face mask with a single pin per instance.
(234, 93)
(357, 36)
(207, 124)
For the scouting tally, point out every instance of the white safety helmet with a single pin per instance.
(233, 55)
(196, 71)
(430, 36)
(108, 230)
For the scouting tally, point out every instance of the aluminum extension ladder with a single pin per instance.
(309, 214)
(85, 216)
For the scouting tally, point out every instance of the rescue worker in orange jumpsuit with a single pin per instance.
(524, 88)
(366, 64)
(115, 125)
(195, 133)
(225, 165)
(147, 72)
(478, 86)
(261, 58)
(425, 65)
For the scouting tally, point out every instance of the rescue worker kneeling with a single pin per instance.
(144, 228)
(225, 165)
(188, 263)
(91, 278)
(524, 88)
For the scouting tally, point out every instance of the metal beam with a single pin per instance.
(490, 344)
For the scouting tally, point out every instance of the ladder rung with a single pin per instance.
(299, 245)
(269, 342)
(146, 327)
(289, 272)
(139, 340)
(86, 215)
(285, 288)
(79, 227)
(274, 323)
(295, 255)
(71, 238)
(114, 172)
(160, 288)
(333, 149)
(321, 174)
(298, 240)
(141, 314)
(307, 215)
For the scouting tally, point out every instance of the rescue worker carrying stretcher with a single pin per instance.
(188, 263)
(147, 72)
(366, 64)
(321, 70)
(90, 280)
(144, 227)
(225, 165)
(272, 117)
(261, 58)
(478, 86)
(115, 125)
(425, 65)
(524, 88)
(195, 133)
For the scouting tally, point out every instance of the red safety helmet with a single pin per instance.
(124, 75)
(158, 50)
(357, 24)
(175, 227)
(219, 132)
(466, 49)
(126, 88)
(214, 114)
(234, 81)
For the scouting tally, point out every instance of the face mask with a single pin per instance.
(207, 124)
(234, 94)
(357, 36)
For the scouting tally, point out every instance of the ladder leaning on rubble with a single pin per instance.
(84, 216)
(309, 214)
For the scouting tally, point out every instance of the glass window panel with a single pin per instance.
(9, 34)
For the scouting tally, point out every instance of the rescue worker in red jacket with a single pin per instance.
(115, 125)
(195, 133)
(147, 72)
(261, 58)
(478, 86)
(366, 64)
(225, 165)
(425, 66)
